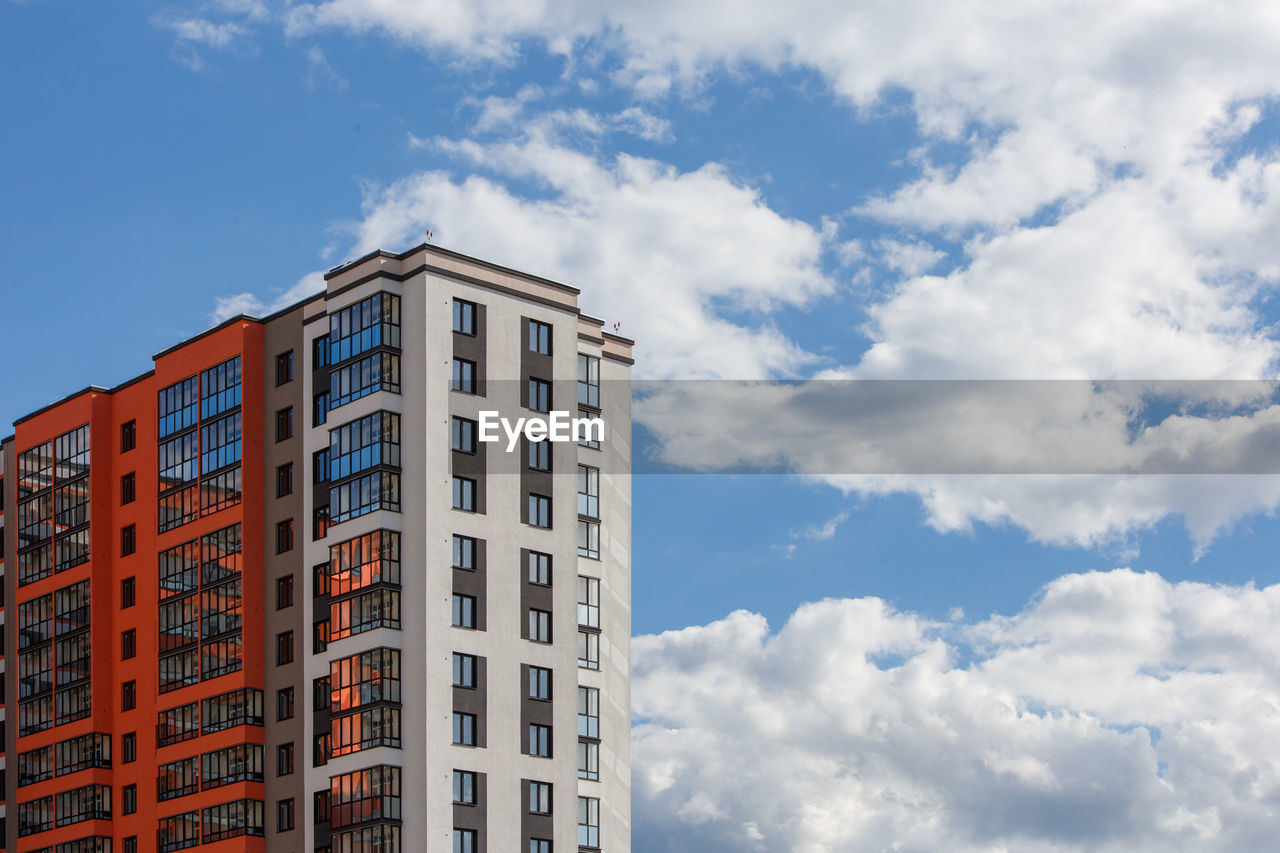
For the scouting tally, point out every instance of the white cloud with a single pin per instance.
(911, 258)
(196, 34)
(321, 72)
(826, 530)
(659, 250)
(502, 114)
(1117, 712)
(636, 121)
(1077, 153)
(255, 306)
(203, 32)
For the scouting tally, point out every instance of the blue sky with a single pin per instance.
(888, 191)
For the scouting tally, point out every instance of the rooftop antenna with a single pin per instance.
(430, 235)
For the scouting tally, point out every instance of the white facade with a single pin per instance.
(427, 281)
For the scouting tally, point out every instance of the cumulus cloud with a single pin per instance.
(1086, 162)
(256, 306)
(660, 250)
(1117, 712)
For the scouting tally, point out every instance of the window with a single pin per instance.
(128, 592)
(241, 707)
(129, 748)
(589, 712)
(464, 611)
(374, 491)
(539, 625)
(284, 759)
(220, 388)
(284, 648)
(320, 352)
(284, 592)
(284, 479)
(128, 696)
(540, 798)
(588, 491)
(588, 539)
(90, 802)
(588, 512)
(464, 670)
(35, 765)
(200, 609)
(588, 381)
(131, 844)
(377, 372)
(82, 753)
(464, 552)
(377, 608)
(588, 822)
(128, 540)
(465, 841)
(319, 523)
(320, 409)
(284, 536)
(588, 650)
(539, 845)
(464, 317)
(588, 602)
(284, 703)
(178, 832)
(464, 494)
(539, 337)
(462, 435)
(128, 644)
(284, 368)
(178, 724)
(372, 793)
(37, 816)
(539, 455)
(371, 322)
(464, 787)
(464, 376)
(178, 778)
(239, 763)
(368, 442)
(539, 395)
(588, 759)
(539, 740)
(592, 429)
(540, 683)
(284, 424)
(539, 511)
(361, 679)
(284, 815)
(539, 568)
(128, 488)
(129, 799)
(128, 436)
(228, 820)
(464, 729)
(362, 562)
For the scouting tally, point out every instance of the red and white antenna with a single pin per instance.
(430, 235)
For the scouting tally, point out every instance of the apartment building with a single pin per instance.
(276, 594)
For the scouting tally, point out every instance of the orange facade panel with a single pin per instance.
(120, 497)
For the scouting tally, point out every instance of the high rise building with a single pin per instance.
(277, 594)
